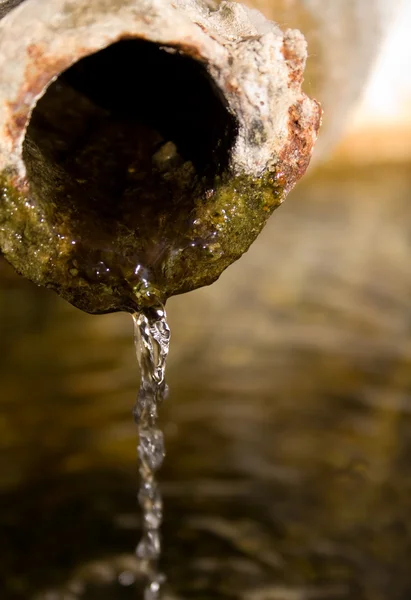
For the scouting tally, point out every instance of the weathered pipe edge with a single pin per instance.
(256, 68)
(7, 5)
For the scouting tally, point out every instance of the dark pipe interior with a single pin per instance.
(119, 151)
(126, 101)
(164, 89)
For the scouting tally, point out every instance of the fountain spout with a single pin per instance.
(144, 143)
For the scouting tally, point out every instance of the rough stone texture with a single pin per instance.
(63, 228)
(343, 37)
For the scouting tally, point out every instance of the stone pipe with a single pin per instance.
(144, 143)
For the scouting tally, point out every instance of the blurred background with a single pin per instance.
(288, 425)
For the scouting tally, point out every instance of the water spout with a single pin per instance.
(144, 143)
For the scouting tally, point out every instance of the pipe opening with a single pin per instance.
(136, 95)
(123, 144)
(121, 105)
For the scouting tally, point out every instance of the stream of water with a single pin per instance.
(152, 338)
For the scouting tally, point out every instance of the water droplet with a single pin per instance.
(149, 546)
(126, 578)
(148, 490)
(151, 448)
(153, 518)
(152, 591)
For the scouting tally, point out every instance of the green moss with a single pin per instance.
(226, 222)
(103, 260)
(24, 236)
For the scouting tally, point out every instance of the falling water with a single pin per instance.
(152, 338)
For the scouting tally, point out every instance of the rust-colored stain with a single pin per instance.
(296, 155)
(40, 70)
(302, 129)
(294, 63)
(188, 49)
(231, 85)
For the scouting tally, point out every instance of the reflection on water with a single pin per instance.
(288, 471)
